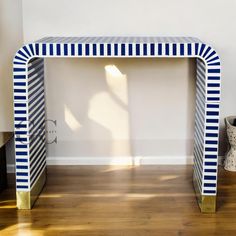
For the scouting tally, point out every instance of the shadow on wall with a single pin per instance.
(121, 107)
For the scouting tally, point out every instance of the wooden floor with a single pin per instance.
(100, 200)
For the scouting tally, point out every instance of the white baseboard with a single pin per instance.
(148, 160)
(128, 160)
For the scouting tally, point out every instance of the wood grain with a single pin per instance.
(103, 200)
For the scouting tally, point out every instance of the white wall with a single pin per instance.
(80, 90)
(100, 114)
(11, 39)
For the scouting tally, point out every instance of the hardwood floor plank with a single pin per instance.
(103, 200)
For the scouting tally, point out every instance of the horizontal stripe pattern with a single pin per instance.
(29, 101)
(20, 89)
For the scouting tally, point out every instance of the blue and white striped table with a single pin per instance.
(29, 103)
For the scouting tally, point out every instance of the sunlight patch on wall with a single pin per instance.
(109, 109)
(117, 83)
(105, 111)
(70, 119)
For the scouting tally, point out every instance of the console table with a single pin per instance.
(29, 103)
